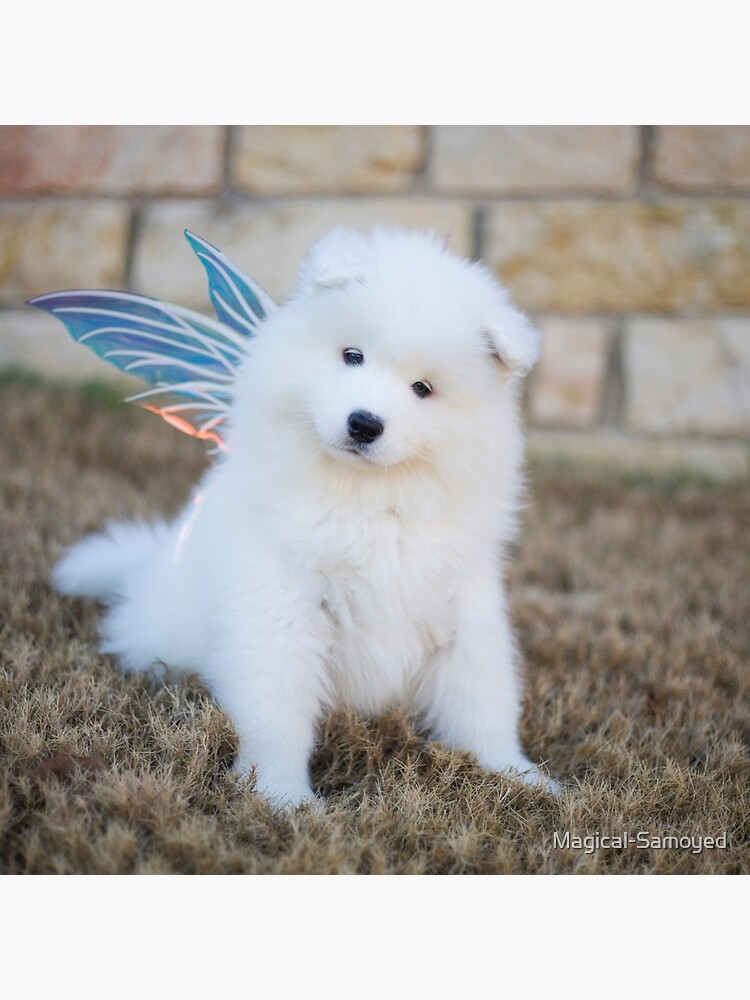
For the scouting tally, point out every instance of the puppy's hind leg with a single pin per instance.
(158, 618)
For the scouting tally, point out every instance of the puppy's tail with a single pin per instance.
(99, 565)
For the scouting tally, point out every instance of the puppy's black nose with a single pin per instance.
(364, 427)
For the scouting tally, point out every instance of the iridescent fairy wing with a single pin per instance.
(189, 360)
(238, 299)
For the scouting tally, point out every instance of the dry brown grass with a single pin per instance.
(633, 605)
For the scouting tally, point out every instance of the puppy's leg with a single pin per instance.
(268, 674)
(471, 697)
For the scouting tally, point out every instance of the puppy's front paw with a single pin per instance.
(519, 767)
(534, 775)
(280, 792)
(289, 796)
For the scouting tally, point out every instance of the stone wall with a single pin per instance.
(629, 245)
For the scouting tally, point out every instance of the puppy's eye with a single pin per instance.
(353, 356)
(422, 389)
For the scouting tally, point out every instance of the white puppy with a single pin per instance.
(349, 548)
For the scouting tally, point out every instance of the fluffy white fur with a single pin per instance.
(314, 570)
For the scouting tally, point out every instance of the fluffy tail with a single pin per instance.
(99, 565)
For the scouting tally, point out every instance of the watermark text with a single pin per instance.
(641, 840)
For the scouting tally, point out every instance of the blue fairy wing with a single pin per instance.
(189, 360)
(238, 299)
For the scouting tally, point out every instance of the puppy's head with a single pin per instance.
(396, 350)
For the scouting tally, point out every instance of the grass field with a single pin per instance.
(632, 602)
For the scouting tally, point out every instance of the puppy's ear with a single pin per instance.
(512, 340)
(334, 261)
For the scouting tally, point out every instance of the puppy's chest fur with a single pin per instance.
(389, 586)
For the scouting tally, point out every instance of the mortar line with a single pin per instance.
(613, 396)
(134, 229)
(645, 166)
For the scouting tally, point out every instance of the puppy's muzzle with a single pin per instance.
(364, 427)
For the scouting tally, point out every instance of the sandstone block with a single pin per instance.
(703, 157)
(292, 159)
(528, 159)
(688, 375)
(111, 159)
(588, 256)
(567, 386)
(48, 246)
(268, 240)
